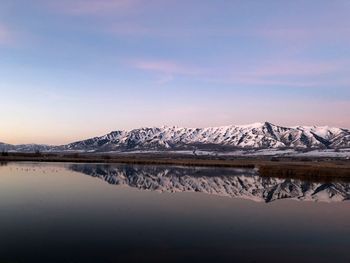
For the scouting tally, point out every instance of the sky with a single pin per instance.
(74, 69)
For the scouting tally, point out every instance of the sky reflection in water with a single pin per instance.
(66, 213)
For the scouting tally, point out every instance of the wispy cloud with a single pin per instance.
(292, 73)
(301, 37)
(93, 7)
(124, 23)
(6, 35)
(298, 68)
(166, 71)
(164, 79)
(137, 30)
(252, 80)
(289, 73)
(165, 66)
(304, 35)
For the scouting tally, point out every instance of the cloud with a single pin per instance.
(298, 68)
(166, 67)
(137, 30)
(93, 7)
(6, 35)
(259, 81)
(289, 73)
(304, 35)
(125, 23)
(165, 71)
(162, 80)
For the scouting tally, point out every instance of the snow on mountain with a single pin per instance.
(24, 147)
(254, 136)
(226, 138)
(5, 147)
(237, 183)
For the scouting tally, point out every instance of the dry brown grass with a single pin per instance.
(315, 172)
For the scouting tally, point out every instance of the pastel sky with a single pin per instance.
(72, 69)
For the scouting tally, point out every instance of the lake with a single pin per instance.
(116, 213)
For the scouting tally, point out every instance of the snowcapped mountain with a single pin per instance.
(24, 147)
(237, 183)
(227, 138)
(254, 136)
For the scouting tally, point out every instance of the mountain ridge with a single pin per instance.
(252, 136)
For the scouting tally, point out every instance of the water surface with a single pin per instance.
(115, 213)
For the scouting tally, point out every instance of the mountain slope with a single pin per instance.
(254, 136)
(24, 147)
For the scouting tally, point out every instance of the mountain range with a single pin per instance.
(226, 138)
(236, 183)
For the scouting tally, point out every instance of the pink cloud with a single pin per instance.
(132, 30)
(253, 80)
(294, 68)
(6, 36)
(166, 71)
(283, 33)
(289, 73)
(304, 36)
(162, 80)
(166, 67)
(283, 73)
(93, 7)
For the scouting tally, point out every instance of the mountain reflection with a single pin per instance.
(237, 183)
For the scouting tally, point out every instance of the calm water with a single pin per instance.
(101, 213)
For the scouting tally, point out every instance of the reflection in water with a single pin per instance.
(50, 213)
(239, 183)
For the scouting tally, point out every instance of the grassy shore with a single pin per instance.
(270, 167)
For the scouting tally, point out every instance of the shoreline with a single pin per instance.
(268, 167)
